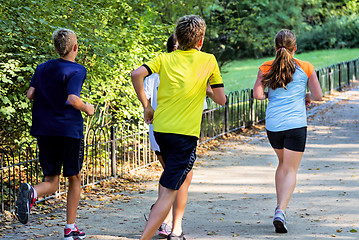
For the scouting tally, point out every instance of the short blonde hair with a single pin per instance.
(64, 40)
(190, 30)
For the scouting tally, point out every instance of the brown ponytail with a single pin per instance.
(283, 66)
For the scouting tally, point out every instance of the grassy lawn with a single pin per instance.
(243, 73)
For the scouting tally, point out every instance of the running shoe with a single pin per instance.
(73, 234)
(174, 237)
(24, 202)
(164, 230)
(279, 221)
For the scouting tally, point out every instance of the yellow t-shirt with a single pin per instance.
(183, 82)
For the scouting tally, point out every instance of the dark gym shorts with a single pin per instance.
(57, 151)
(292, 139)
(179, 154)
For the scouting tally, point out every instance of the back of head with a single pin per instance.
(190, 30)
(171, 43)
(283, 66)
(64, 40)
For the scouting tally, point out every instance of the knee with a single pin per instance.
(75, 178)
(53, 181)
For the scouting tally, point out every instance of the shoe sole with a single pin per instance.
(74, 238)
(163, 234)
(22, 210)
(279, 227)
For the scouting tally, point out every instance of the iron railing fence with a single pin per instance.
(114, 150)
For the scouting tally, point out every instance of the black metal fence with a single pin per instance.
(114, 150)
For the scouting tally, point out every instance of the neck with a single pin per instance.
(69, 57)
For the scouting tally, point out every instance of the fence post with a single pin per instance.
(113, 152)
(340, 76)
(355, 69)
(226, 115)
(330, 79)
(252, 110)
(348, 69)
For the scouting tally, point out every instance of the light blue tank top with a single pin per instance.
(286, 107)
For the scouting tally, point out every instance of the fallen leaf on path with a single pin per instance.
(353, 230)
(211, 233)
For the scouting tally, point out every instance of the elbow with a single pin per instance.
(317, 97)
(134, 75)
(73, 100)
(256, 96)
(221, 101)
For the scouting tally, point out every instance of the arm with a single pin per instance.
(217, 95)
(314, 87)
(77, 103)
(30, 93)
(137, 77)
(258, 89)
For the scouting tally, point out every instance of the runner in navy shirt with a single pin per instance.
(52, 115)
(57, 124)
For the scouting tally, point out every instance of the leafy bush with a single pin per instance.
(340, 32)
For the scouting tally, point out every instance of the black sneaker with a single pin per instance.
(73, 234)
(24, 202)
(174, 237)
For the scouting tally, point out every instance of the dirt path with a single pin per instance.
(232, 195)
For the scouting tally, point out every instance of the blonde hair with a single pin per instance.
(283, 67)
(189, 31)
(64, 40)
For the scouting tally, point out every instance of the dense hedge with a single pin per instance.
(340, 32)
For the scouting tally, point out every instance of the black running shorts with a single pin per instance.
(292, 139)
(179, 154)
(56, 151)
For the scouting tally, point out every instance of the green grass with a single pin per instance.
(242, 74)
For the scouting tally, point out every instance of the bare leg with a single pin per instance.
(73, 197)
(179, 205)
(159, 211)
(286, 175)
(49, 186)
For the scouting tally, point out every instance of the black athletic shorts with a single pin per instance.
(292, 139)
(179, 154)
(56, 151)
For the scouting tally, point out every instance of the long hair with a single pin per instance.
(283, 67)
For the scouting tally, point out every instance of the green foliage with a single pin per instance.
(340, 32)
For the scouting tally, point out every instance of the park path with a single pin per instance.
(232, 195)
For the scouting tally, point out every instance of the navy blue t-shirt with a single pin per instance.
(52, 115)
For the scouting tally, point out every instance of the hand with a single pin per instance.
(308, 99)
(148, 114)
(90, 109)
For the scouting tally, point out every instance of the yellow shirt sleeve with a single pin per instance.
(215, 78)
(155, 64)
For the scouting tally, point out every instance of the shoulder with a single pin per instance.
(207, 55)
(265, 67)
(79, 67)
(307, 67)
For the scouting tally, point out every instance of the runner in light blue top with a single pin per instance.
(286, 121)
(286, 107)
